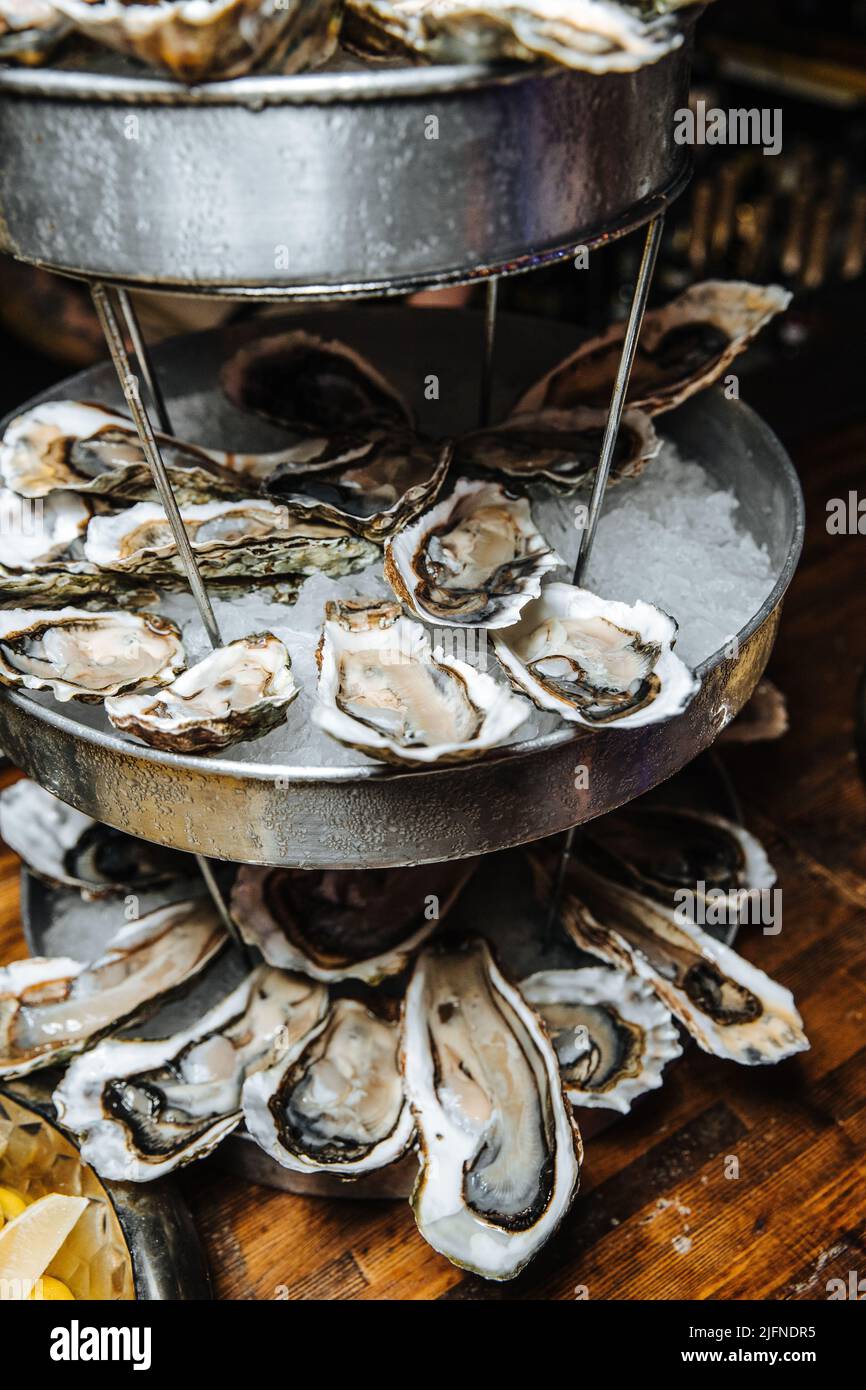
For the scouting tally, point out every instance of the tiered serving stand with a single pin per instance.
(334, 186)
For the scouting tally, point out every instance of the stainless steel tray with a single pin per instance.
(330, 184)
(374, 816)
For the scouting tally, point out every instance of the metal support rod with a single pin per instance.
(146, 367)
(220, 904)
(491, 302)
(620, 388)
(129, 386)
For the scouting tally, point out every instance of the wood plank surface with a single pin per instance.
(660, 1214)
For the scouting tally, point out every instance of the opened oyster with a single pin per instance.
(613, 1037)
(500, 1153)
(143, 1108)
(51, 1008)
(383, 691)
(595, 35)
(683, 347)
(30, 30)
(559, 447)
(335, 1103)
(64, 847)
(37, 532)
(85, 656)
(230, 539)
(475, 560)
(240, 691)
(361, 924)
(730, 1007)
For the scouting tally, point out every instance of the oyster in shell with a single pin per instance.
(65, 848)
(30, 30)
(361, 924)
(247, 538)
(198, 39)
(730, 1007)
(500, 1153)
(559, 447)
(51, 1008)
(613, 1037)
(594, 35)
(38, 531)
(683, 348)
(385, 692)
(241, 691)
(85, 656)
(335, 1102)
(475, 559)
(596, 662)
(144, 1108)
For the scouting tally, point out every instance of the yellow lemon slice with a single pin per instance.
(51, 1290)
(30, 1242)
(11, 1204)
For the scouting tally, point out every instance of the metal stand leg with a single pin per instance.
(145, 366)
(611, 432)
(490, 308)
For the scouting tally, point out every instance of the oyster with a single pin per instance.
(594, 35)
(362, 925)
(230, 539)
(85, 656)
(71, 582)
(199, 39)
(683, 347)
(595, 661)
(730, 1007)
(383, 691)
(475, 560)
(559, 447)
(334, 1103)
(239, 692)
(144, 1108)
(64, 847)
(500, 1153)
(51, 1008)
(613, 1037)
(30, 30)
(37, 532)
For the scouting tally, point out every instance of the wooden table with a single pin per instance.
(659, 1215)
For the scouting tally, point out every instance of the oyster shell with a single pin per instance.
(500, 1153)
(383, 691)
(240, 691)
(683, 348)
(559, 447)
(218, 38)
(144, 1108)
(65, 848)
(51, 1008)
(230, 539)
(30, 30)
(730, 1007)
(339, 925)
(475, 559)
(37, 532)
(596, 662)
(335, 1103)
(594, 35)
(613, 1037)
(85, 656)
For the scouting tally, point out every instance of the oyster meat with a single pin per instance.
(85, 656)
(252, 537)
(683, 348)
(334, 1103)
(559, 447)
(475, 559)
(383, 691)
(361, 924)
(597, 662)
(144, 1108)
(594, 35)
(613, 1037)
(51, 1008)
(500, 1153)
(241, 691)
(65, 848)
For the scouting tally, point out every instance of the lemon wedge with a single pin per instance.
(11, 1204)
(30, 1242)
(51, 1290)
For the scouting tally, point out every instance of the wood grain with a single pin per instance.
(659, 1215)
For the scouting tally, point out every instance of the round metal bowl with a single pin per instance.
(373, 181)
(374, 816)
